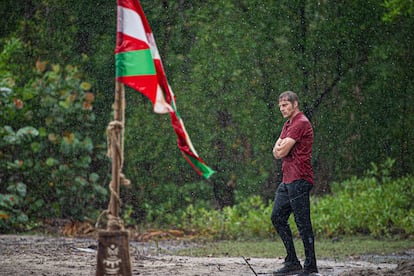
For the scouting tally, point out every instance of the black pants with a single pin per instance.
(294, 198)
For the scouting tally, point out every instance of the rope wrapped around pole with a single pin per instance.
(115, 140)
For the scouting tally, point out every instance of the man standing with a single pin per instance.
(294, 147)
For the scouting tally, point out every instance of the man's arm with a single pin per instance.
(282, 147)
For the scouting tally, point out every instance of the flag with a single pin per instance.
(138, 65)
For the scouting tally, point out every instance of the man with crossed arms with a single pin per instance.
(294, 147)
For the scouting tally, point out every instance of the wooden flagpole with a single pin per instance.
(113, 243)
(117, 150)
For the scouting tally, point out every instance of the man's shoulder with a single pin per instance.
(300, 118)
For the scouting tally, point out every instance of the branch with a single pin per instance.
(310, 110)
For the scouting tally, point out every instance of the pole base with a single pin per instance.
(113, 253)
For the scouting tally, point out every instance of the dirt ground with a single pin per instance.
(41, 255)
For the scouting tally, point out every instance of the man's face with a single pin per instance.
(287, 108)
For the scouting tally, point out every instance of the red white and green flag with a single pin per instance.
(138, 65)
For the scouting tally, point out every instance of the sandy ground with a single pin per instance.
(39, 255)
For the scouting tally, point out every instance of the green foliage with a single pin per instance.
(11, 207)
(375, 204)
(248, 219)
(46, 146)
(227, 61)
(163, 204)
(397, 8)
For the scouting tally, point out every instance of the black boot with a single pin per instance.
(308, 271)
(288, 269)
(309, 266)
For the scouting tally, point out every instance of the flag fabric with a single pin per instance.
(138, 65)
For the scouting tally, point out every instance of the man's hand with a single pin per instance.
(276, 148)
(282, 147)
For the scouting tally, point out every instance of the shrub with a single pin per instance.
(375, 204)
(248, 219)
(47, 146)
